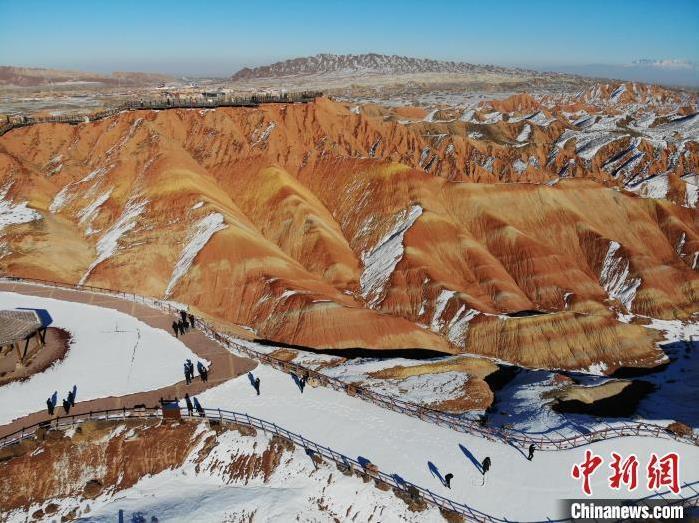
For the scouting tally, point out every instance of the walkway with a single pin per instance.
(224, 365)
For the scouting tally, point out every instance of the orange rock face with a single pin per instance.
(318, 226)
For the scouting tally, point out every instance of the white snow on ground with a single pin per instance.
(111, 354)
(691, 190)
(259, 137)
(109, 242)
(14, 213)
(203, 490)
(519, 166)
(615, 278)
(88, 213)
(201, 233)
(614, 97)
(404, 445)
(430, 116)
(439, 305)
(655, 187)
(380, 261)
(524, 134)
(67, 194)
(458, 325)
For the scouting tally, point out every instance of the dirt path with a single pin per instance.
(224, 365)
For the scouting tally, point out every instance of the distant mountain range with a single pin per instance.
(368, 64)
(35, 77)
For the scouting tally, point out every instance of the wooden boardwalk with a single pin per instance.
(224, 364)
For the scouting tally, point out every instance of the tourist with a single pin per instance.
(531, 452)
(191, 321)
(175, 329)
(447, 480)
(485, 466)
(71, 399)
(66, 406)
(197, 405)
(257, 385)
(187, 376)
(190, 407)
(49, 406)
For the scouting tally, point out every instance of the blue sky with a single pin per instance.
(217, 37)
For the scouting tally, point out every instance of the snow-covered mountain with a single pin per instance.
(370, 63)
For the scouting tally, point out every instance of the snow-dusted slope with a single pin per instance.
(404, 445)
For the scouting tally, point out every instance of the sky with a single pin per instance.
(210, 37)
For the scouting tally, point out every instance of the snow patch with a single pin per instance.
(380, 261)
(109, 242)
(615, 278)
(201, 233)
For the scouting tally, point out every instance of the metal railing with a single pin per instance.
(15, 121)
(513, 437)
(348, 464)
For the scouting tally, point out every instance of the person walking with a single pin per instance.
(183, 315)
(49, 406)
(190, 407)
(187, 377)
(66, 406)
(447, 480)
(205, 375)
(191, 321)
(531, 452)
(71, 399)
(485, 467)
(257, 385)
(197, 405)
(176, 329)
(202, 370)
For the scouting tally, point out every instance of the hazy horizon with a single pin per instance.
(218, 38)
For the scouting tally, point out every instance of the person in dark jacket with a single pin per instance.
(176, 329)
(49, 406)
(187, 375)
(205, 375)
(257, 385)
(71, 399)
(486, 465)
(197, 405)
(447, 480)
(183, 315)
(190, 407)
(531, 452)
(66, 406)
(191, 321)
(202, 370)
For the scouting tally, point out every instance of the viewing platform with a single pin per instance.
(161, 103)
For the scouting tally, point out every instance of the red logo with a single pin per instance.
(585, 469)
(661, 471)
(664, 472)
(624, 472)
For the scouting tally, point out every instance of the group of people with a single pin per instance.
(193, 403)
(183, 325)
(67, 403)
(485, 466)
(189, 371)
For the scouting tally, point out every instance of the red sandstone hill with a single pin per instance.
(318, 226)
